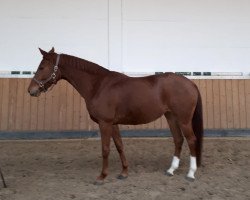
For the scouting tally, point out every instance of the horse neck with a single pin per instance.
(79, 74)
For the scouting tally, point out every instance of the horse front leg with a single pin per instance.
(119, 146)
(106, 132)
(191, 140)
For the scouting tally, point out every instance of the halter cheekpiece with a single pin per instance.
(51, 77)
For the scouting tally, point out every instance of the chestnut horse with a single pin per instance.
(113, 98)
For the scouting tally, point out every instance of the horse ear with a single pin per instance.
(52, 50)
(44, 53)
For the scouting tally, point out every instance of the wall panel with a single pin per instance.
(242, 104)
(5, 105)
(216, 104)
(247, 96)
(19, 104)
(226, 105)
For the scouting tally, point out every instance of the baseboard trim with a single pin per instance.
(40, 135)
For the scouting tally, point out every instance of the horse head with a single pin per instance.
(47, 73)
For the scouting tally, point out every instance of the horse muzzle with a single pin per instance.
(34, 92)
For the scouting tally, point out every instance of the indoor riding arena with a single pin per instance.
(53, 142)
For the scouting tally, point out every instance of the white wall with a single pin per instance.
(129, 35)
(76, 27)
(181, 35)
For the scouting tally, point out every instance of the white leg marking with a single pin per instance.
(193, 167)
(174, 165)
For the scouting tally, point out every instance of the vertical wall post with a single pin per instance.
(115, 35)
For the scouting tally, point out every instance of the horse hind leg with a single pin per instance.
(178, 141)
(191, 140)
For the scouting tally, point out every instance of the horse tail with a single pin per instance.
(197, 123)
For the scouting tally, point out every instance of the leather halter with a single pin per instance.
(51, 77)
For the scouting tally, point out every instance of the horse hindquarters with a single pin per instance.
(187, 109)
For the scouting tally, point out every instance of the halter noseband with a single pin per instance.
(52, 76)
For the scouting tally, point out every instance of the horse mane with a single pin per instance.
(83, 65)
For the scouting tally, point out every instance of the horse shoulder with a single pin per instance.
(102, 105)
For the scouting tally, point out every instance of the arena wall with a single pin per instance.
(226, 105)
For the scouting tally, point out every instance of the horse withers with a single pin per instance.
(113, 98)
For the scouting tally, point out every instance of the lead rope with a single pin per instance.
(1, 174)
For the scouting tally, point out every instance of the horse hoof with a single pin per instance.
(99, 182)
(121, 177)
(169, 174)
(190, 179)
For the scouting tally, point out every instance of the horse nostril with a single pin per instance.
(33, 92)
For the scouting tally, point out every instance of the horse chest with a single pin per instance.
(101, 111)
